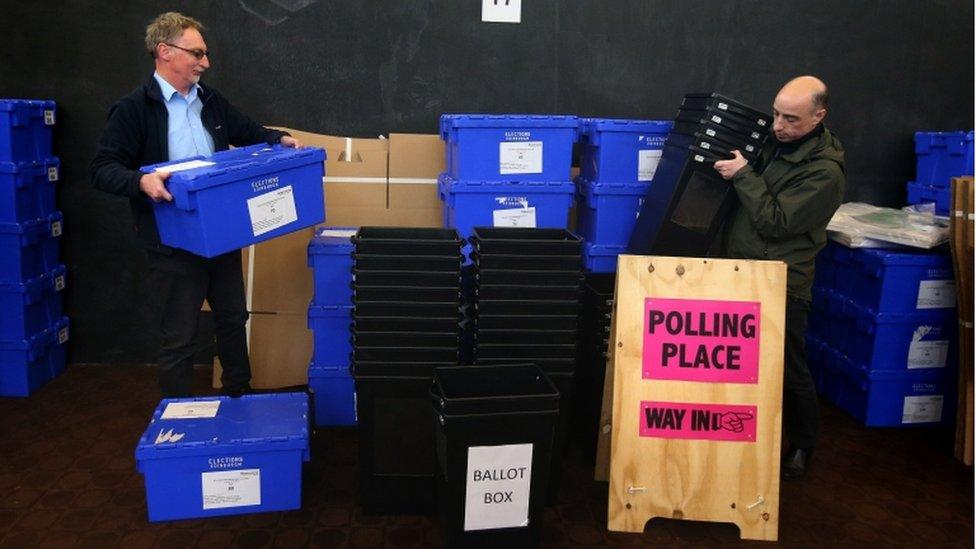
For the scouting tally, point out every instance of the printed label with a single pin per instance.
(680, 420)
(701, 340)
(936, 294)
(340, 233)
(699, 158)
(723, 106)
(520, 157)
(238, 488)
(761, 122)
(58, 283)
(928, 354)
(520, 217)
(755, 135)
(705, 145)
(647, 162)
(48, 117)
(62, 336)
(922, 409)
(191, 410)
(717, 119)
(750, 148)
(497, 490)
(272, 210)
(52, 173)
(56, 228)
(710, 132)
(183, 166)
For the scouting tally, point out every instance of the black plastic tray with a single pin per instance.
(404, 293)
(526, 337)
(528, 322)
(732, 139)
(404, 339)
(495, 389)
(385, 368)
(527, 263)
(525, 241)
(405, 354)
(405, 324)
(407, 241)
(438, 263)
(716, 146)
(547, 365)
(493, 292)
(405, 309)
(524, 352)
(722, 103)
(724, 119)
(527, 307)
(426, 279)
(553, 278)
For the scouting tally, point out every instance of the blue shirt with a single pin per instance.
(187, 136)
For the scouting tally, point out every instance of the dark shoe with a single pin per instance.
(238, 392)
(796, 463)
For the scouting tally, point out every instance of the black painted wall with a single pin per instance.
(362, 68)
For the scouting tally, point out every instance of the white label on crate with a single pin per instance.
(340, 233)
(59, 283)
(519, 217)
(647, 162)
(755, 135)
(501, 11)
(699, 158)
(710, 132)
(272, 210)
(48, 118)
(497, 490)
(927, 354)
(723, 106)
(705, 145)
(236, 488)
(183, 166)
(52, 173)
(191, 410)
(62, 336)
(922, 409)
(936, 294)
(56, 228)
(519, 157)
(750, 148)
(717, 119)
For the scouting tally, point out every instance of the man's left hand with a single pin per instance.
(290, 141)
(728, 168)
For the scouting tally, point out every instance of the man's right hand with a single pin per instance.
(154, 185)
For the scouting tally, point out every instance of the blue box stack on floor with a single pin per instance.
(329, 318)
(940, 156)
(618, 161)
(882, 331)
(33, 332)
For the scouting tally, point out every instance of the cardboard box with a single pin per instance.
(280, 349)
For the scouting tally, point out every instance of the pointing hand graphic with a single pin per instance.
(732, 421)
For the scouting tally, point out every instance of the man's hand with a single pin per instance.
(728, 168)
(154, 185)
(290, 141)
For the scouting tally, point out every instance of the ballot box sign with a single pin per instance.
(680, 420)
(497, 492)
(708, 341)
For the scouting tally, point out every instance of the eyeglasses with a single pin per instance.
(198, 54)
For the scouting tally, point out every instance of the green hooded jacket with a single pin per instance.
(784, 211)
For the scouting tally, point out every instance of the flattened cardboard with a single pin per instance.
(280, 351)
(415, 162)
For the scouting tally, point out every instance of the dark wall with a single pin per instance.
(366, 68)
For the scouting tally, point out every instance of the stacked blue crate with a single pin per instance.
(507, 171)
(619, 158)
(33, 331)
(940, 156)
(329, 318)
(881, 336)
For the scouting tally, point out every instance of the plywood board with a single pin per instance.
(961, 239)
(724, 467)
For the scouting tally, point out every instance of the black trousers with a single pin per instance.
(179, 282)
(801, 411)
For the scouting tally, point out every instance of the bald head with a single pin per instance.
(799, 107)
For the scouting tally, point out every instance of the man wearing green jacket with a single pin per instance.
(786, 201)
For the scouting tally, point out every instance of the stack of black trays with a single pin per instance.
(406, 288)
(592, 361)
(688, 200)
(527, 310)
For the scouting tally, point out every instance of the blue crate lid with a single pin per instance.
(36, 105)
(33, 165)
(955, 142)
(918, 375)
(449, 122)
(585, 187)
(320, 311)
(37, 287)
(599, 249)
(866, 319)
(447, 184)
(37, 345)
(588, 126)
(32, 229)
(328, 371)
(332, 240)
(250, 423)
(236, 164)
(872, 259)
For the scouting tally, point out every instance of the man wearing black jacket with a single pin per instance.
(173, 116)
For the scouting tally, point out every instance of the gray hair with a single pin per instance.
(168, 27)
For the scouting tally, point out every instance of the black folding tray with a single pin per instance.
(735, 140)
(527, 262)
(406, 324)
(527, 322)
(721, 118)
(407, 241)
(405, 309)
(404, 339)
(406, 354)
(723, 103)
(502, 389)
(553, 278)
(717, 147)
(527, 307)
(548, 365)
(527, 337)
(515, 291)
(439, 263)
(525, 241)
(426, 279)
(386, 368)
(524, 352)
(406, 293)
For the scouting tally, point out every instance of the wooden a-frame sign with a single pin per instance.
(697, 370)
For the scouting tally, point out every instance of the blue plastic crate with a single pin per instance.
(837, 325)
(925, 194)
(509, 147)
(844, 270)
(330, 257)
(888, 281)
(27, 364)
(29, 249)
(601, 259)
(940, 156)
(27, 189)
(333, 394)
(331, 335)
(607, 212)
(30, 307)
(241, 197)
(621, 150)
(901, 341)
(26, 129)
(243, 457)
(470, 204)
(885, 398)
